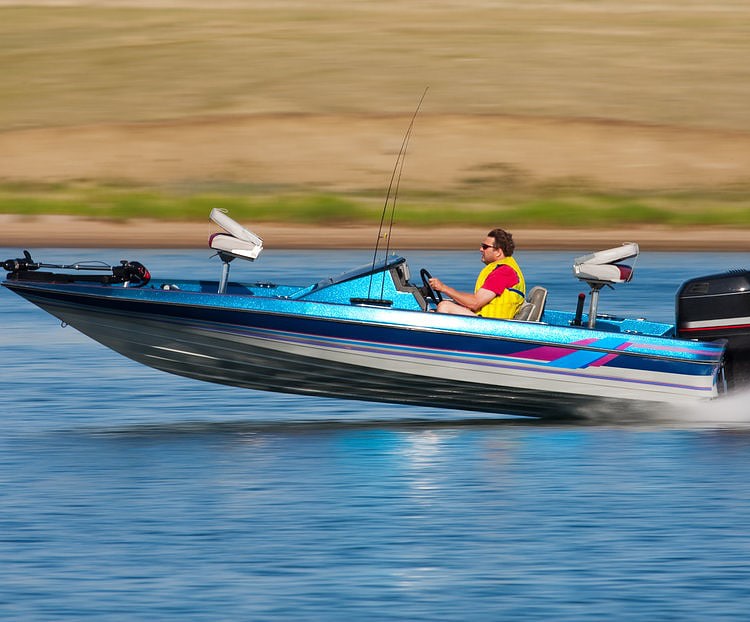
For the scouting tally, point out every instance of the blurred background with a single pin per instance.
(595, 113)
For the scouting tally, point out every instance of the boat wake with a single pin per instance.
(731, 411)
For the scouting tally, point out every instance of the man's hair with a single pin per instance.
(503, 241)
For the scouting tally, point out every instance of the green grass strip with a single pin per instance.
(530, 207)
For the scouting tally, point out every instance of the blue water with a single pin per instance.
(130, 494)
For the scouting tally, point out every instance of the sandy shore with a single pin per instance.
(64, 231)
(355, 152)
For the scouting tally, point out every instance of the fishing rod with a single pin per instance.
(398, 169)
(26, 263)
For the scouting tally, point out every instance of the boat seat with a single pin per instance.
(232, 247)
(237, 242)
(532, 308)
(538, 297)
(524, 311)
(604, 267)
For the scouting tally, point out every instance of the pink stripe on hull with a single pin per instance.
(550, 353)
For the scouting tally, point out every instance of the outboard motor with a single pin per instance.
(718, 307)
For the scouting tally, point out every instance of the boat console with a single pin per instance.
(604, 268)
(237, 242)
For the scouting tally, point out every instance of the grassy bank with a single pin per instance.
(558, 206)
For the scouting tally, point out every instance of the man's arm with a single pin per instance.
(474, 302)
(496, 283)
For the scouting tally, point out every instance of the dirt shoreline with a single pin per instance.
(66, 231)
(355, 152)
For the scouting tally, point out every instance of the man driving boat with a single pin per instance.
(500, 289)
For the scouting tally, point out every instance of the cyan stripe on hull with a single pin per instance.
(641, 347)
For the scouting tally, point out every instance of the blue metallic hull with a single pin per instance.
(319, 341)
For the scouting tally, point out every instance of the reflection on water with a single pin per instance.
(129, 490)
(342, 520)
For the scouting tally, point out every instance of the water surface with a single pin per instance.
(130, 494)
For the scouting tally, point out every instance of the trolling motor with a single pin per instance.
(131, 274)
(20, 265)
(128, 273)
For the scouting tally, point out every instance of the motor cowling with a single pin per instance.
(718, 307)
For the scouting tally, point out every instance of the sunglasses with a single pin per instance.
(484, 247)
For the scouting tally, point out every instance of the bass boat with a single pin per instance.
(371, 334)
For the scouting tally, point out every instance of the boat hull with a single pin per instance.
(373, 359)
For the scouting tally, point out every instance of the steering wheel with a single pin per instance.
(431, 293)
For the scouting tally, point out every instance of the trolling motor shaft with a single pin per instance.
(128, 273)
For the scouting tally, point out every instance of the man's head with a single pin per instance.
(497, 245)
